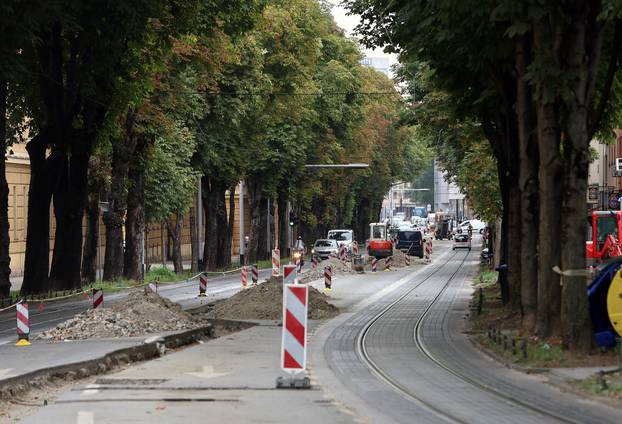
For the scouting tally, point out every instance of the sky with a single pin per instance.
(348, 23)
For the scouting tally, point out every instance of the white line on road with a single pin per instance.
(85, 417)
(90, 389)
(4, 342)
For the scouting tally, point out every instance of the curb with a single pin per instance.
(155, 347)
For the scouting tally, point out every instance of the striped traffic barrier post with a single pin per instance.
(289, 274)
(203, 285)
(276, 262)
(328, 278)
(407, 260)
(294, 339)
(151, 288)
(298, 265)
(255, 272)
(374, 264)
(244, 276)
(355, 248)
(427, 251)
(23, 324)
(342, 253)
(387, 263)
(98, 298)
(315, 261)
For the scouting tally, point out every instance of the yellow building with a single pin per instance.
(18, 178)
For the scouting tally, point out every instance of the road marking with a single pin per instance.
(90, 389)
(85, 417)
(207, 372)
(5, 342)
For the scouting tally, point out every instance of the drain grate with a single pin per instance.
(130, 381)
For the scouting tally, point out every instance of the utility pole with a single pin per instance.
(241, 208)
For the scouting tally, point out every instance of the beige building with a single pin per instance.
(18, 178)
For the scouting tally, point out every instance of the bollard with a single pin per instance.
(407, 260)
(328, 278)
(244, 277)
(355, 248)
(387, 263)
(23, 324)
(315, 261)
(255, 273)
(342, 253)
(374, 264)
(203, 285)
(98, 298)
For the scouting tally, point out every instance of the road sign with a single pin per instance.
(618, 164)
(294, 340)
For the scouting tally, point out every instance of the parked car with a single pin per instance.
(343, 238)
(477, 225)
(410, 241)
(323, 248)
(461, 241)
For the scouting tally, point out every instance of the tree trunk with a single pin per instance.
(528, 183)
(163, 244)
(222, 227)
(174, 227)
(194, 242)
(514, 244)
(257, 223)
(135, 250)
(5, 259)
(215, 220)
(69, 202)
(224, 251)
(282, 199)
(583, 42)
(549, 248)
(122, 152)
(89, 255)
(42, 181)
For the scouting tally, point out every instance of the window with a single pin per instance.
(604, 226)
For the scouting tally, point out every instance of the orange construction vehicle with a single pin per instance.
(604, 238)
(379, 245)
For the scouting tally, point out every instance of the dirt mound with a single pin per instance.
(338, 267)
(137, 314)
(265, 301)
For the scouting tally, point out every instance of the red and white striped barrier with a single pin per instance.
(342, 253)
(387, 262)
(244, 276)
(98, 298)
(289, 274)
(328, 278)
(23, 324)
(407, 260)
(428, 250)
(294, 341)
(203, 285)
(355, 248)
(255, 273)
(151, 288)
(315, 261)
(276, 262)
(374, 264)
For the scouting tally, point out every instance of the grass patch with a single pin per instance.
(541, 353)
(609, 385)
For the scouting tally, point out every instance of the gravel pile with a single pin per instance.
(137, 314)
(317, 273)
(265, 301)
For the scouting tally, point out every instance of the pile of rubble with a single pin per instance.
(137, 314)
(337, 267)
(265, 301)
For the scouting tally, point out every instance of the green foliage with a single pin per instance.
(161, 274)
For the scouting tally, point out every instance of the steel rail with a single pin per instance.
(478, 384)
(377, 370)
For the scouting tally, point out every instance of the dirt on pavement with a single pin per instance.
(338, 267)
(137, 314)
(264, 302)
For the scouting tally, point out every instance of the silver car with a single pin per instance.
(323, 248)
(461, 241)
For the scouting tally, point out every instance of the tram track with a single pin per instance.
(409, 394)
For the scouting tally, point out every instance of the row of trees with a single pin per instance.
(537, 80)
(138, 103)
